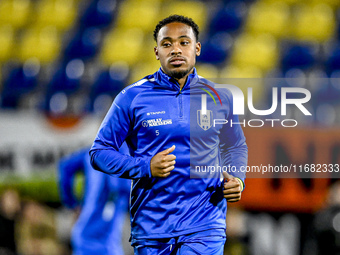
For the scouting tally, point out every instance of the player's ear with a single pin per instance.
(198, 48)
(155, 49)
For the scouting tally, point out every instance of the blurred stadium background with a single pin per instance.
(63, 61)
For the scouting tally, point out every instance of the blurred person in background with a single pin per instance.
(324, 235)
(37, 231)
(237, 232)
(9, 211)
(102, 212)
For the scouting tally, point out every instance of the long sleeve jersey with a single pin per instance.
(153, 114)
(104, 205)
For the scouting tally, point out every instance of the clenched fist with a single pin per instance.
(232, 189)
(163, 163)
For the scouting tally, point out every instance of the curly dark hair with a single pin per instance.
(176, 18)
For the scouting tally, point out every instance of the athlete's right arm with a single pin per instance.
(163, 163)
(114, 130)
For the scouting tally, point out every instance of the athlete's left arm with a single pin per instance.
(234, 154)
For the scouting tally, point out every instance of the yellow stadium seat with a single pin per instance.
(289, 2)
(147, 1)
(6, 42)
(244, 78)
(138, 14)
(58, 13)
(143, 69)
(207, 71)
(313, 23)
(333, 3)
(260, 51)
(1, 82)
(14, 12)
(196, 10)
(149, 45)
(123, 45)
(44, 44)
(233, 71)
(270, 18)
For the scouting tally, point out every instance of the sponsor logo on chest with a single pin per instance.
(156, 122)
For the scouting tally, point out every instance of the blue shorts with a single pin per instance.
(204, 242)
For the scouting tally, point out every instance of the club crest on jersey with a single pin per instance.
(204, 120)
(205, 116)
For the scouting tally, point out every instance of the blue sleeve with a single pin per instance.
(233, 147)
(67, 168)
(114, 130)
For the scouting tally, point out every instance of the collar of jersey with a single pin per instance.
(165, 80)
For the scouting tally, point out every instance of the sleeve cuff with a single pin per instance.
(241, 183)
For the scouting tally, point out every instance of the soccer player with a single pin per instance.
(169, 134)
(98, 229)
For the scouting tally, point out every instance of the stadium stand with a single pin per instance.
(65, 83)
(6, 42)
(21, 81)
(15, 12)
(60, 14)
(85, 44)
(240, 38)
(269, 18)
(301, 56)
(99, 13)
(42, 43)
(106, 86)
(129, 10)
(227, 18)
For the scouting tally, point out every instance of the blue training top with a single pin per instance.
(151, 115)
(98, 229)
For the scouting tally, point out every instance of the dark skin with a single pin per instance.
(176, 50)
(163, 163)
(232, 188)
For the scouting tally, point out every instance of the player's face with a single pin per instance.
(177, 49)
